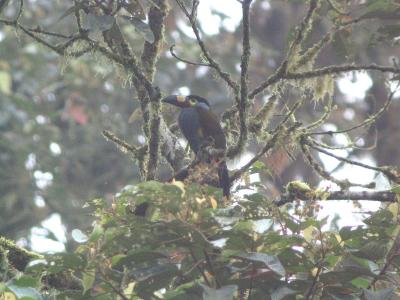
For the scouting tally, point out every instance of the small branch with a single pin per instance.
(268, 146)
(212, 63)
(340, 69)
(367, 121)
(171, 50)
(123, 145)
(302, 30)
(343, 13)
(212, 271)
(391, 255)
(277, 76)
(379, 196)
(320, 170)
(277, 133)
(351, 162)
(49, 33)
(21, 7)
(114, 288)
(310, 292)
(199, 268)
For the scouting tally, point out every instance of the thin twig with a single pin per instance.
(337, 10)
(211, 61)
(367, 121)
(268, 146)
(352, 162)
(199, 268)
(212, 271)
(171, 50)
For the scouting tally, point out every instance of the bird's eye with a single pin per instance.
(192, 101)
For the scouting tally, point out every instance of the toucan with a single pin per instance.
(199, 125)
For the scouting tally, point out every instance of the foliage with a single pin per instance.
(190, 244)
(187, 247)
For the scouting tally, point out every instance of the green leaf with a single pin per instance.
(2, 287)
(360, 282)
(271, 261)
(5, 82)
(96, 233)
(257, 167)
(380, 218)
(25, 293)
(190, 290)
(137, 256)
(153, 278)
(142, 28)
(88, 279)
(373, 250)
(116, 259)
(27, 281)
(384, 294)
(224, 293)
(395, 189)
(66, 260)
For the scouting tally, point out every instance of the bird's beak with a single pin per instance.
(174, 100)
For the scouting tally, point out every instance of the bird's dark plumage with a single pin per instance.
(199, 124)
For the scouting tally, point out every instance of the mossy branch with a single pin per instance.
(379, 196)
(16, 256)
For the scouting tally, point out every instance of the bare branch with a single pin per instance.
(171, 50)
(367, 121)
(351, 162)
(211, 61)
(267, 147)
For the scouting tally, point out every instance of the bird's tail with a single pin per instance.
(224, 181)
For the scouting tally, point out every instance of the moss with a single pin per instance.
(16, 256)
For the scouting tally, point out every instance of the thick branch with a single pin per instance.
(150, 54)
(242, 101)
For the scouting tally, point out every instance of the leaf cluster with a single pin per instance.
(191, 246)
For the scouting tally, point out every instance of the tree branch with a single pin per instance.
(211, 61)
(274, 78)
(379, 196)
(242, 101)
(171, 50)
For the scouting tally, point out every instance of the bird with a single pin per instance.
(199, 125)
